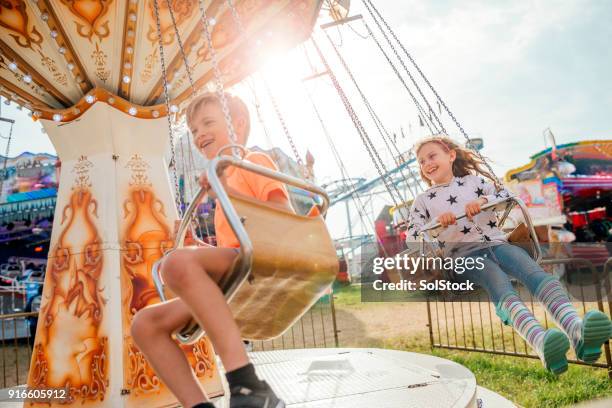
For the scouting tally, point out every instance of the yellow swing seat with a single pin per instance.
(286, 262)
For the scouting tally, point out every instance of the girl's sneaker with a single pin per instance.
(260, 397)
(596, 330)
(553, 350)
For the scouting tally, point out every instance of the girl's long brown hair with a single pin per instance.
(466, 162)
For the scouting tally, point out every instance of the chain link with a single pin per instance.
(277, 110)
(177, 194)
(428, 122)
(182, 48)
(189, 145)
(431, 110)
(357, 123)
(374, 117)
(284, 125)
(217, 75)
(497, 181)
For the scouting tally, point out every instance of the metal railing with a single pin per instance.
(470, 324)
(15, 348)
(316, 329)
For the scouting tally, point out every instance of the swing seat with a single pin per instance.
(286, 262)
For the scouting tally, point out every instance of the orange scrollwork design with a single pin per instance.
(14, 17)
(91, 13)
(145, 239)
(183, 10)
(70, 349)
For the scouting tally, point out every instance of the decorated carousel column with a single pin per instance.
(113, 219)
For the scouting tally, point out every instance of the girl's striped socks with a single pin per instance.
(587, 335)
(550, 345)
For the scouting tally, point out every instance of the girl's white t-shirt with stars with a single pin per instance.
(466, 235)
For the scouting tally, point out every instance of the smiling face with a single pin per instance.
(209, 131)
(436, 162)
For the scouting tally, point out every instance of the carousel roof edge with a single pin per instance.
(535, 157)
(102, 95)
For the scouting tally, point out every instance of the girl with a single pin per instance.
(454, 176)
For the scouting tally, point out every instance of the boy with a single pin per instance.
(192, 273)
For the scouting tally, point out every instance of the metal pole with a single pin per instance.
(350, 227)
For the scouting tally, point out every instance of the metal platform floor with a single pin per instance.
(365, 378)
(370, 378)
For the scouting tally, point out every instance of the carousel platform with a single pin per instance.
(365, 378)
(360, 378)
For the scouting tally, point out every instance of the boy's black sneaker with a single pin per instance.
(260, 397)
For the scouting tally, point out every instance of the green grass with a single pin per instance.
(521, 380)
(347, 295)
(526, 383)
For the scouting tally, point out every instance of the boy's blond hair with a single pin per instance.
(236, 106)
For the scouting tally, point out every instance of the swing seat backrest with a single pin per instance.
(293, 263)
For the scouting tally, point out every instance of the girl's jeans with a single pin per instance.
(500, 263)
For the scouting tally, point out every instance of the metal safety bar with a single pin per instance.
(504, 204)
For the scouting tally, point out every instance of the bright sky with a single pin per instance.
(507, 70)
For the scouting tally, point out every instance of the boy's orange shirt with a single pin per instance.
(248, 184)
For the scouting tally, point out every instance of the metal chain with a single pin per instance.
(448, 111)
(359, 204)
(277, 110)
(420, 108)
(374, 116)
(6, 154)
(365, 137)
(217, 75)
(357, 123)
(177, 195)
(193, 92)
(182, 49)
(260, 118)
(284, 125)
(431, 111)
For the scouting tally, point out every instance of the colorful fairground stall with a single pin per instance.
(568, 191)
(570, 184)
(28, 190)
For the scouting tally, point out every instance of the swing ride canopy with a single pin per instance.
(55, 52)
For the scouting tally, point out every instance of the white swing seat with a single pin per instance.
(286, 261)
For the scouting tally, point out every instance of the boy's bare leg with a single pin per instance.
(152, 330)
(192, 274)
